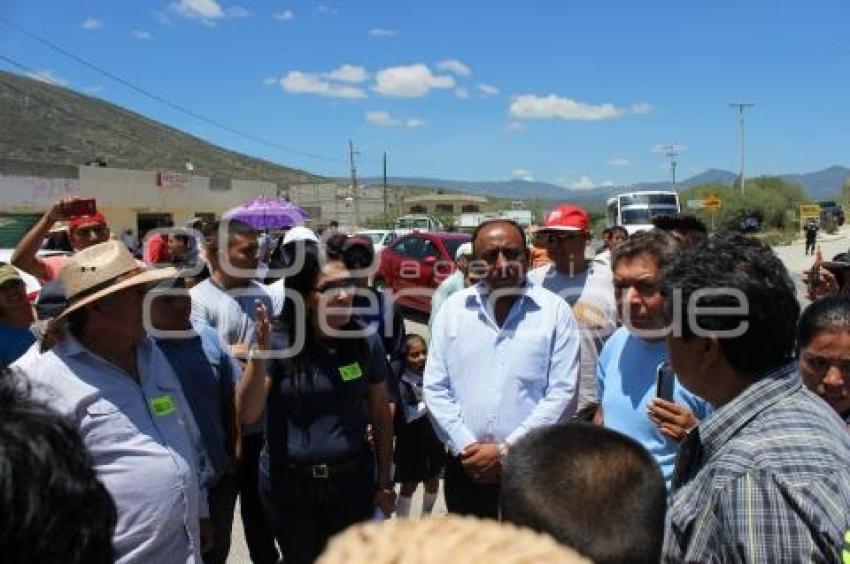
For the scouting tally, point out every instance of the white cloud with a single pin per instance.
(92, 23)
(384, 119)
(583, 183)
(285, 16)
(93, 89)
(515, 126)
(411, 81)
(206, 10)
(488, 89)
(641, 108)
(462, 93)
(382, 32)
(618, 162)
(607, 184)
(530, 106)
(381, 119)
(237, 12)
(455, 66)
(297, 82)
(348, 73)
(327, 10)
(141, 34)
(49, 77)
(270, 80)
(161, 17)
(522, 174)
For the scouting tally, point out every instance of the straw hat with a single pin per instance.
(103, 269)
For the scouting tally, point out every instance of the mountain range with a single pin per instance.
(49, 123)
(820, 185)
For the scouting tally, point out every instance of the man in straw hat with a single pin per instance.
(120, 392)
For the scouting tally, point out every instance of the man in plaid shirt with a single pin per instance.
(766, 477)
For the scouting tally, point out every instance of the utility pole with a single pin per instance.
(354, 194)
(741, 106)
(671, 152)
(386, 213)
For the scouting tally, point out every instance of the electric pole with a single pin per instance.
(386, 213)
(741, 106)
(671, 152)
(354, 195)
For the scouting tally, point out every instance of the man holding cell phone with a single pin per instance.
(86, 227)
(639, 394)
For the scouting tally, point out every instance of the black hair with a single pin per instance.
(502, 220)
(741, 264)
(591, 488)
(415, 337)
(656, 243)
(618, 228)
(292, 325)
(831, 313)
(333, 223)
(681, 222)
(53, 509)
(202, 273)
(233, 228)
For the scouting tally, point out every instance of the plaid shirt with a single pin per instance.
(765, 478)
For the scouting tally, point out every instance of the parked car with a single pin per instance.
(380, 237)
(831, 209)
(413, 266)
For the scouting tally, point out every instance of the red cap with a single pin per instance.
(567, 218)
(77, 221)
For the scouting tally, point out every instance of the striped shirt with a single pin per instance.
(765, 478)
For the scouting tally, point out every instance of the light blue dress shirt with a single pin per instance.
(144, 456)
(485, 383)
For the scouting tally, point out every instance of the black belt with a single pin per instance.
(328, 470)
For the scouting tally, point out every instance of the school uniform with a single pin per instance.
(419, 455)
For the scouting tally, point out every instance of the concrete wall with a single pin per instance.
(122, 194)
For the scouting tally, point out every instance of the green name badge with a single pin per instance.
(350, 372)
(162, 405)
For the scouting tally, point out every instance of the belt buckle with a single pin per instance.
(320, 471)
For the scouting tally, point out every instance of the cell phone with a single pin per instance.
(75, 208)
(664, 381)
(814, 276)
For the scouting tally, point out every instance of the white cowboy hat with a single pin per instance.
(97, 271)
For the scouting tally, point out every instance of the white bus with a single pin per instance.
(635, 210)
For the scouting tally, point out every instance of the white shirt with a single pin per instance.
(139, 440)
(485, 383)
(590, 294)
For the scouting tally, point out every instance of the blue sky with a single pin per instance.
(574, 93)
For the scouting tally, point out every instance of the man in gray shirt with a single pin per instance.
(225, 301)
(586, 285)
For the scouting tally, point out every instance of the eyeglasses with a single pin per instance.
(820, 365)
(335, 289)
(564, 236)
(490, 256)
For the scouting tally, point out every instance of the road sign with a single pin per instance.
(810, 210)
(712, 203)
(696, 204)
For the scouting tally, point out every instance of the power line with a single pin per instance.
(169, 103)
(741, 106)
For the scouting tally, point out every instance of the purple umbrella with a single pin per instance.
(268, 212)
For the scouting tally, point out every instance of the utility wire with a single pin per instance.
(162, 100)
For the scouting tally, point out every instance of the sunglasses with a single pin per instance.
(335, 288)
(564, 236)
(490, 256)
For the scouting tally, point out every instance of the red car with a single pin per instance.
(413, 266)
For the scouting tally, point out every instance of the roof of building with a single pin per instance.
(447, 198)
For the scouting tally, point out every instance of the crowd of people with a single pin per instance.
(663, 400)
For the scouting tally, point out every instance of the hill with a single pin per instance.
(44, 122)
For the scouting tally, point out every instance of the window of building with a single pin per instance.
(445, 208)
(470, 208)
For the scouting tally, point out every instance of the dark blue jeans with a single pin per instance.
(304, 512)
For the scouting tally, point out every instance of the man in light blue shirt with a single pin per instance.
(119, 391)
(503, 360)
(629, 361)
